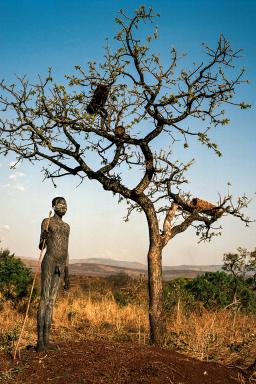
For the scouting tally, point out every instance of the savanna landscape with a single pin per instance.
(146, 125)
(100, 332)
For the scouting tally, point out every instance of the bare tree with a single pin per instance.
(104, 125)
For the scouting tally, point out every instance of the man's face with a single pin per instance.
(60, 207)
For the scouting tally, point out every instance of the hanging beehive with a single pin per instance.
(99, 99)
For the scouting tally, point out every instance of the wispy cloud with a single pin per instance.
(16, 175)
(5, 227)
(5, 185)
(13, 187)
(20, 188)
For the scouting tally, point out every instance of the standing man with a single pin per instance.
(53, 267)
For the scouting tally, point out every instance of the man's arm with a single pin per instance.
(43, 235)
(66, 274)
(66, 278)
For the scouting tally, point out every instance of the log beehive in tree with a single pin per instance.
(201, 205)
(99, 99)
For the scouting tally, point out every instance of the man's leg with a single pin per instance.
(52, 297)
(46, 282)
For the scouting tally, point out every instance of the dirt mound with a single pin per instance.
(94, 362)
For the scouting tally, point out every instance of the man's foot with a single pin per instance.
(40, 347)
(29, 347)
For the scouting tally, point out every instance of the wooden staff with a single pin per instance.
(31, 291)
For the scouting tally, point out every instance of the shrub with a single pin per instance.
(9, 338)
(176, 292)
(218, 290)
(15, 277)
(213, 289)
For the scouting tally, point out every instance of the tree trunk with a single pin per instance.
(155, 291)
(155, 284)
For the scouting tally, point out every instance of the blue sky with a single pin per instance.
(36, 35)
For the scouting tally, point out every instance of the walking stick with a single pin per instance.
(31, 291)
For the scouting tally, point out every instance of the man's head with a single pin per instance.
(59, 205)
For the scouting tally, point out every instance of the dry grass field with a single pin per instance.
(226, 336)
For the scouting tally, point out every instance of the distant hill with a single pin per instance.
(137, 265)
(104, 270)
(116, 263)
(202, 268)
(106, 267)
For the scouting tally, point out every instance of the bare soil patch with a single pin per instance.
(94, 362)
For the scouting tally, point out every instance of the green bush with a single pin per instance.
(212, 289)
(8, 339)
(15, 277)
(247, 299)
(218, 290)
(176, 292)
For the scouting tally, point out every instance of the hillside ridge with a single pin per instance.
(107, 267)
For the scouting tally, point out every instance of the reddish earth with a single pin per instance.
(95, 362)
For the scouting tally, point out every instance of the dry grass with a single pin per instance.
(76, 313)
(225, 336)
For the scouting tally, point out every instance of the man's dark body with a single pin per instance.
(53, 267)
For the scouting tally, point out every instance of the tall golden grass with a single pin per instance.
(225, 336)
